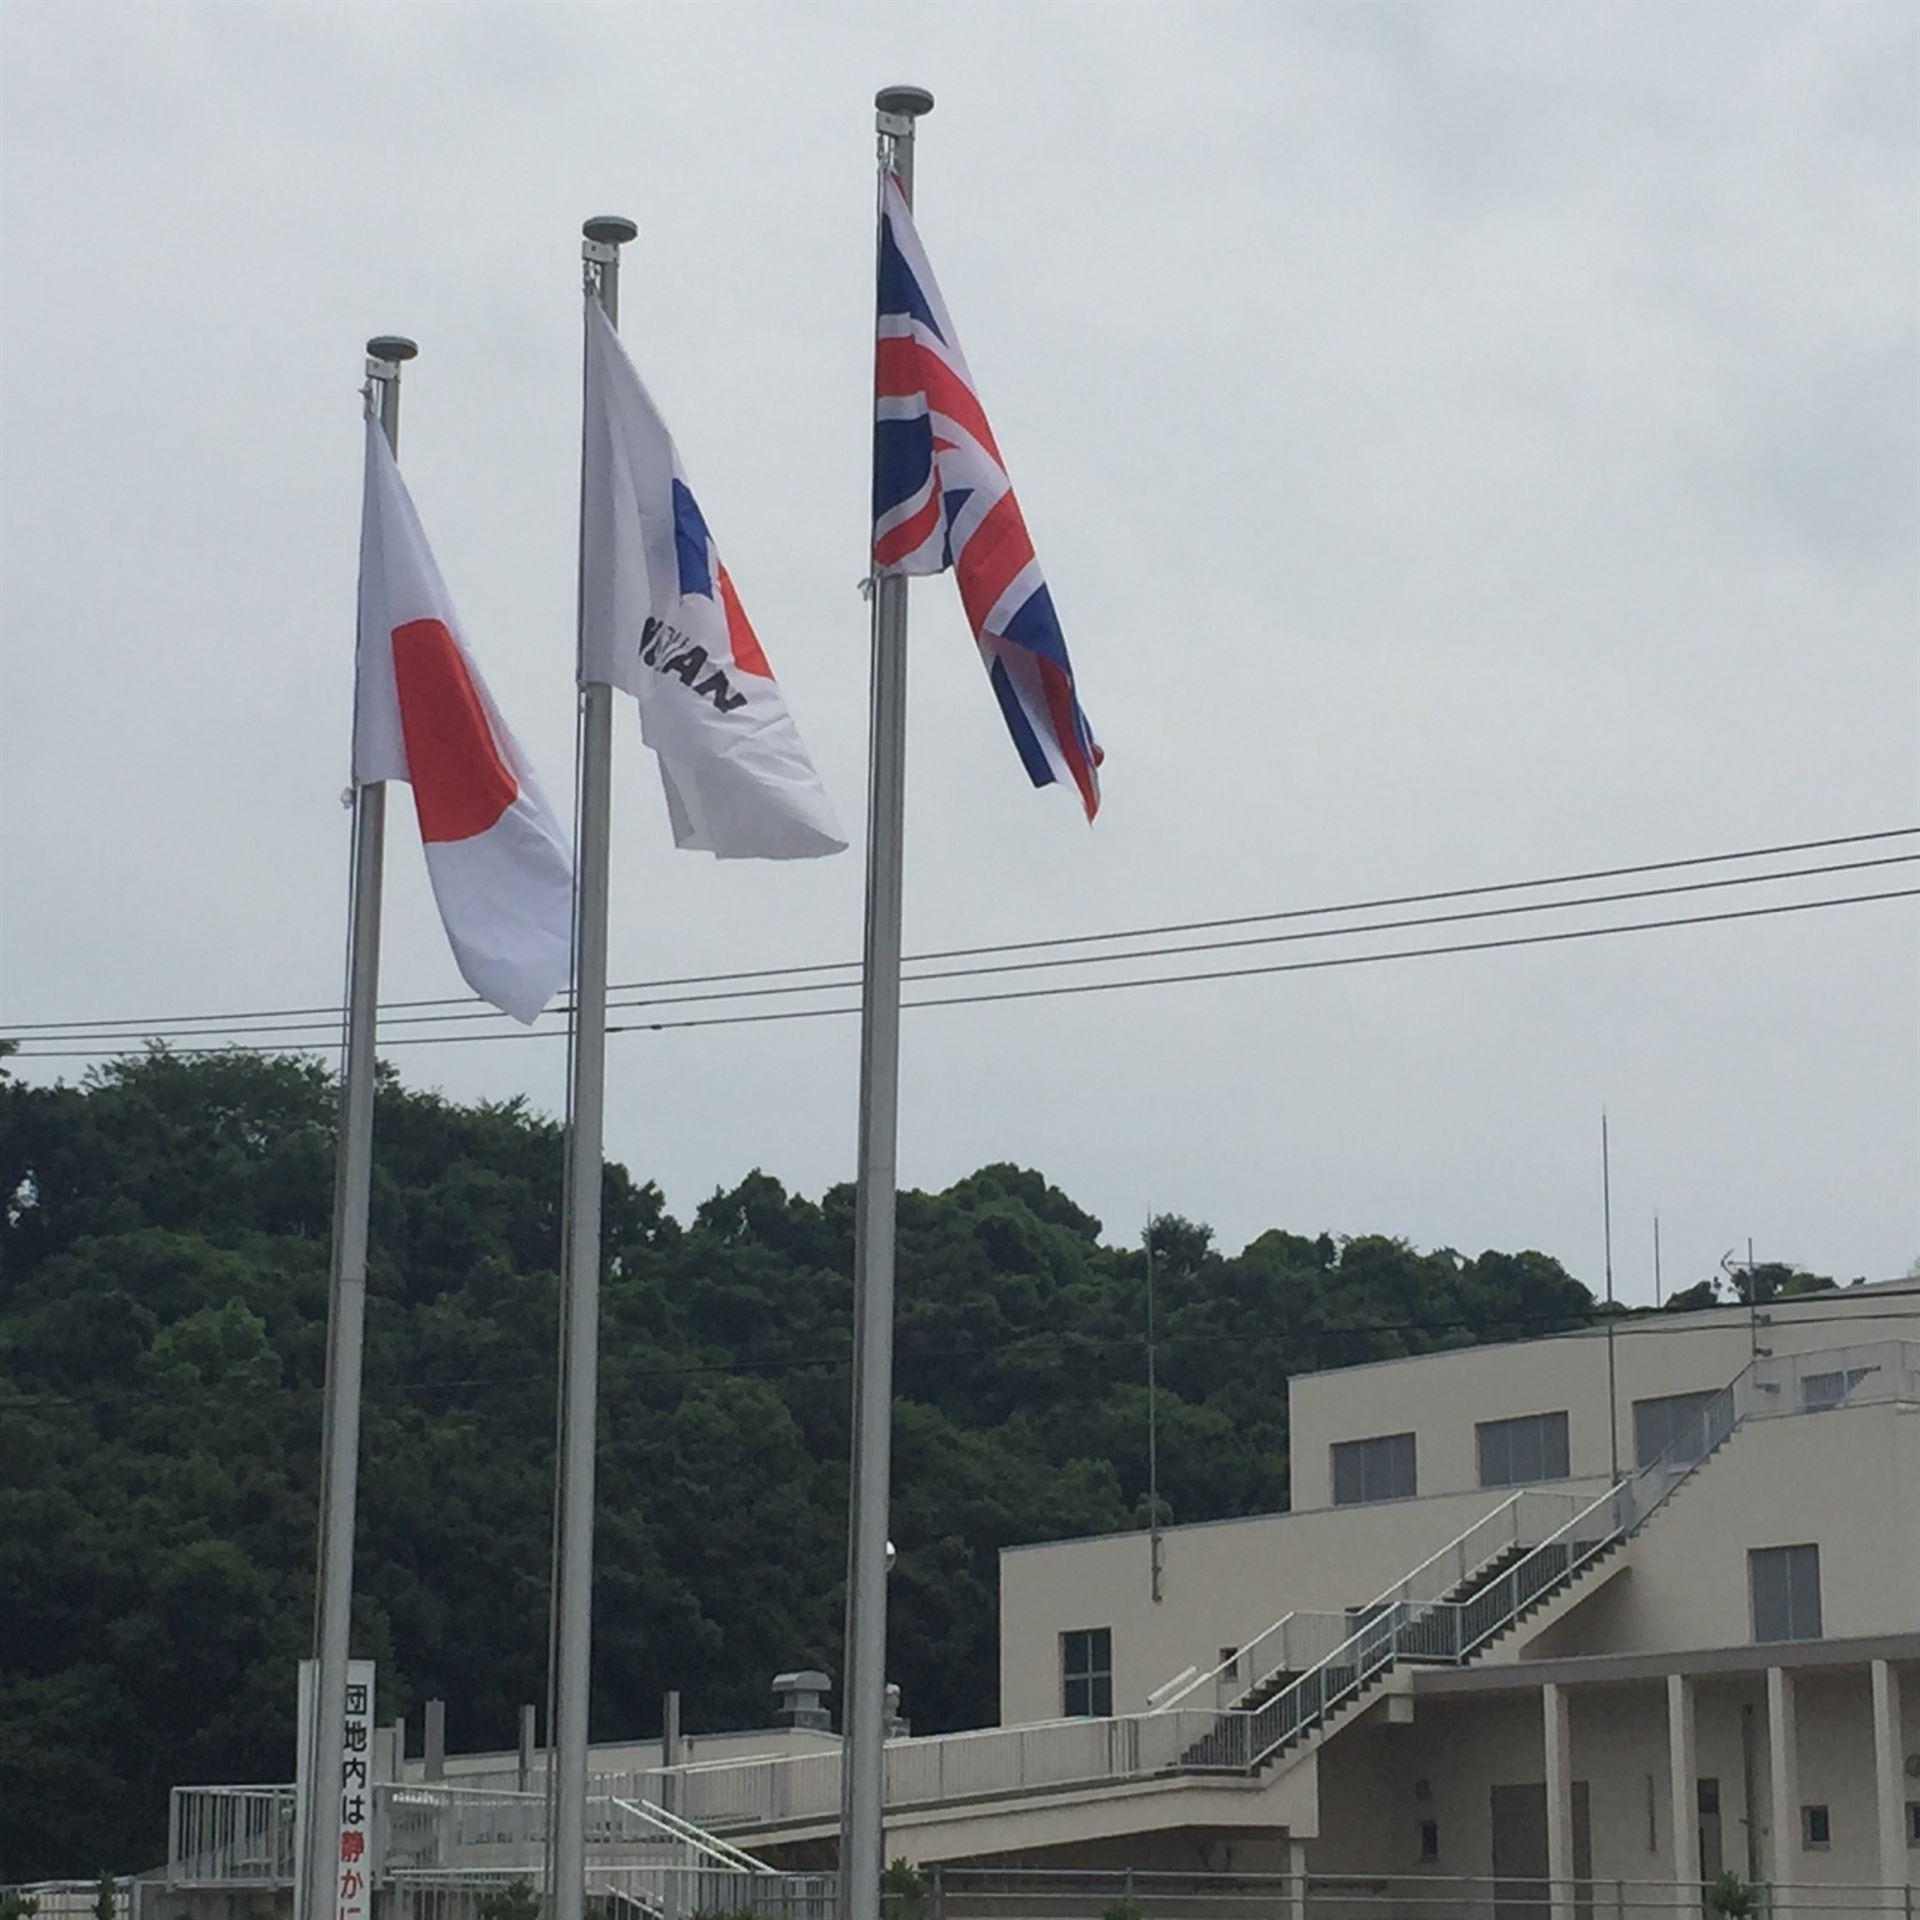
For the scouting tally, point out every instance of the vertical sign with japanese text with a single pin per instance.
(354, 1851)
(354, 1888)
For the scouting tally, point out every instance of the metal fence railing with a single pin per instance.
(626, 1893)
(73, 1899)
(230, 1836)
(985, 1893)
(243, 1836)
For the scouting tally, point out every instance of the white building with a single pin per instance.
(1556, 1629)
(1629, 1635)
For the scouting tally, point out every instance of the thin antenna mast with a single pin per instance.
(1153, 1430)
(1613, 1379)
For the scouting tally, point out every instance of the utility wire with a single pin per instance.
(113, 1045)
(279, 1028)
(280, 1016)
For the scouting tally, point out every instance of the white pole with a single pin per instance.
(864, 1682)
(586, 1108)
(347, 1289)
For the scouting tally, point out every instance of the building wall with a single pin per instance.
(1843, 1480)
(1379, 1782)
(1442, 1397)
(1221, 1584)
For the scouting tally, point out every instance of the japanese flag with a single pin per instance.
(501, 870)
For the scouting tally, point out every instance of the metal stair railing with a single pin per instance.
(1299, 1640)
(1412, 1620)
(697, 1838)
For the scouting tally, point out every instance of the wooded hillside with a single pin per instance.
(163, 1260)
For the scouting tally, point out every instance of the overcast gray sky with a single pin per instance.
(1464, 441)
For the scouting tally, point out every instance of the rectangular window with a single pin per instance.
(1818, 1390)
(1429, 1839)
(1816, 1830)
(1230, 1663)
(1786, 1592)
(1913, 1823)
(1673, 1418)
(1378, 1469)
(1516, 1453)
(1086, 1673)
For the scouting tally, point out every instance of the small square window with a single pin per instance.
(1816, 1829)
(1381, 1468)
(1429, 1839)
(1785, 1584)
(1086, 1673)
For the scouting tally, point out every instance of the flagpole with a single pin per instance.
(586, 1108)
(864, 1683)
(347, 1285)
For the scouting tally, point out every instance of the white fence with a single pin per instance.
(970, 1893)
(627, 1893)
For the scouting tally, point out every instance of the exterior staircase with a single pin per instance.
(1459, 1606)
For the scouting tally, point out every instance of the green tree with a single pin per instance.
(163, 1298)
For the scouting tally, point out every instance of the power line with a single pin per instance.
(279, 1017)
(1048, 993)
(1099, 959)
(1077, 960)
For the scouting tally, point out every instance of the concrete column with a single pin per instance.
(1296, 1880)
(1683, 1774)
(1889, 1781)
(436, 1766)
(1783, 1756)
(1559, 1744)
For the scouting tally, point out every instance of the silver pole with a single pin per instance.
(347, 1288)
(580, 1311)
(864, 1682)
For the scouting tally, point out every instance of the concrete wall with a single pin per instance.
(1221, 1584)
(1379, 1782)
(1844, 1479)
(1441, 1397)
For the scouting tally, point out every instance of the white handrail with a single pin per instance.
(1387, 1598)
(1166, 1687)
(696, 1837)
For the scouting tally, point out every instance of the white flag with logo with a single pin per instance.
(496, 855)
(661, 620)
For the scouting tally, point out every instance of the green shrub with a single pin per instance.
(1733, 1897)
(518, 1901)
(903, 1892)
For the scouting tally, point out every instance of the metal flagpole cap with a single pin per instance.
(610, 229)
(395, 348)
(907, 102)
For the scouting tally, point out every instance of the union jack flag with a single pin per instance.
(941, 498)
